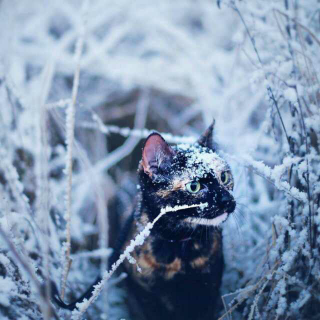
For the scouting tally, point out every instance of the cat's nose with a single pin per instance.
(225, 199)
(228, 202)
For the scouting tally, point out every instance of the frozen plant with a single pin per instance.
(128, 68)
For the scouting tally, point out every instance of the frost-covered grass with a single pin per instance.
(125, 68)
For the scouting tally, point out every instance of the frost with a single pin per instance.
(201, 162)
(290, 95)
(127, 69)
(8, 288)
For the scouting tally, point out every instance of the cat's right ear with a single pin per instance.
(206, 139)
(156, 155)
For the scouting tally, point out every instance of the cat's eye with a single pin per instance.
(225, 177)
(193, 187)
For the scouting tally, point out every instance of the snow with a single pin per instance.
(290, 95)
(8, 288)
(201, 161)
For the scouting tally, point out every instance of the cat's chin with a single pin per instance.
(215, 222)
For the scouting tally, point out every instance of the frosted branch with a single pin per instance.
(59, 104)
(138, 133)
(139, 122)
(271, 174)
(138, 241)
(70, 120)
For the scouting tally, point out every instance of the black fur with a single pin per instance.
(182, 260)
(190, 295)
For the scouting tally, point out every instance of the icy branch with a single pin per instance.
(138, 133)
(70, 120)
(138, 241)
(271, 174)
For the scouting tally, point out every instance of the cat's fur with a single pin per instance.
(181, 262)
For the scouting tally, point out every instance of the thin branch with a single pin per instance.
(308, 173)
(138, 241)
(314, 37)
(70, 120)
(269, 89)
(58, 104)
(131, 142)
(269, 174)
(127, 132)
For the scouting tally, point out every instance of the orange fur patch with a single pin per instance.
(163, 193)
(173, 268)
(176, 185)
(148, 264)
(199, 262)
(179, 184)
(216, 244)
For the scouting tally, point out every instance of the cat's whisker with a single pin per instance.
(239, 203)
(239, 212)
(239, 197)
(238, 226)
(246, 207)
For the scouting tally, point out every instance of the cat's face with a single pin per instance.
(185, 175)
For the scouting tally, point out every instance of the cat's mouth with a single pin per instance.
(208, 222)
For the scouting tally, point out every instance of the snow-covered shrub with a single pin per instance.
(283, 282)
(170, 66)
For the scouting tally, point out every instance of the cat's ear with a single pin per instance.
(206, 139)
(156, 155)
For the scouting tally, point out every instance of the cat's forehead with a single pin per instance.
(198, 162)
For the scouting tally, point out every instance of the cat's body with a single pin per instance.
(176, 279)
(179, 266)
(181, 262)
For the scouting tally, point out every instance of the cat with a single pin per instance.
(181, 262)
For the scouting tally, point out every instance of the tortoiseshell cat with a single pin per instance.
(182, 260)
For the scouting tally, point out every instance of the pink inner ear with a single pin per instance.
(155, 151)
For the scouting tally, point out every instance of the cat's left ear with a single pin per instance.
(206, 139)
(157, 155)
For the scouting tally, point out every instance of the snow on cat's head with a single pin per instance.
(186, 174)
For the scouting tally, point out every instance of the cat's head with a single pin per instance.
(185, 175)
